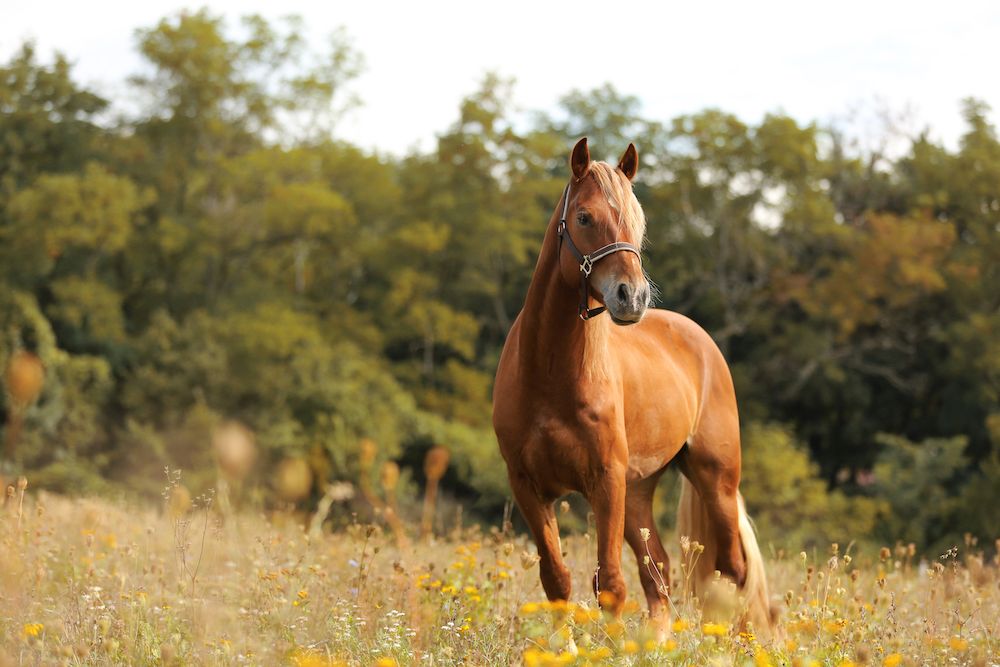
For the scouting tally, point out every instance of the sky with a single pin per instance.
(826, 62)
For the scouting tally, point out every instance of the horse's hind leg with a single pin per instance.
(654, 574)
(712, 511)
(541, 518)
(713, 469)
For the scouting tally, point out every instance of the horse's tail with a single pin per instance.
(693, 523)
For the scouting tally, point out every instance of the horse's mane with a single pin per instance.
(618, 191)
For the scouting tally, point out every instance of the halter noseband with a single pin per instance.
(587, 261)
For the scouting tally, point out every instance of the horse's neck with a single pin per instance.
(556, 345)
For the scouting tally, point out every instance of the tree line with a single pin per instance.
(213, 253)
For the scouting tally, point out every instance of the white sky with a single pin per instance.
(748, 58)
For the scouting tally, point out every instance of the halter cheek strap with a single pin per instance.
(587, 261)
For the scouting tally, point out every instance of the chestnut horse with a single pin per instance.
(601, 405)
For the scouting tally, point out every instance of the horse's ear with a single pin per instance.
(580, 160)
(629, 162)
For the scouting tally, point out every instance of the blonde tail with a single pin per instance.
(693, 523)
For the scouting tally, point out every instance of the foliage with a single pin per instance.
(215, 254)
(788, 500)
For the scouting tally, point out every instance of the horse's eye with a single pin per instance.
(583, 219)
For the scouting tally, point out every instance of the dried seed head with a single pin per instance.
(22, 483)
(25, 377)
(436, 462)
(564, 507)
(367, 449)
(294, 479)
(235, 449)
(644, 533)
(390, 476)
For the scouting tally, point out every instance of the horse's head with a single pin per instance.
(601, 211)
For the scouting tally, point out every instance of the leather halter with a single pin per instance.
(587, 261)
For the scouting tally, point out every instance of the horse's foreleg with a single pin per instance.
(652, 559)
(541, 518)
(607, 499)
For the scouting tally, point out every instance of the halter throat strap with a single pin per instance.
(587, 261)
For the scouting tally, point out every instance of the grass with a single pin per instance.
(88, 581)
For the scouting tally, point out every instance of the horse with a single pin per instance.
(601, 405)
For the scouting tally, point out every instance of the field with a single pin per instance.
(90, 581)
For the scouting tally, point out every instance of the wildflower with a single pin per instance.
(599, 653)
(762, 659)
(892, 660)
(958, 644)
(713, 630)
(528, 560)
(680, 625)
(32, 630)
(386, 662)
(644, 532)
(614, 629)
(630, 647)
(529, 608)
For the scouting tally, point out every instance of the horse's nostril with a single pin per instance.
(623, 292)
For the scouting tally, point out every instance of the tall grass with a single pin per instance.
(88, 582)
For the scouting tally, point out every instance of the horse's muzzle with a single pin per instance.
(627, 303)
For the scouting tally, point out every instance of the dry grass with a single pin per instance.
(87, 582)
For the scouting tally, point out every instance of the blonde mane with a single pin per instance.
(618, 191)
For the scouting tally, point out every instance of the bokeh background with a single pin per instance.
(218, 257)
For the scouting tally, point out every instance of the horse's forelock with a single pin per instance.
(617, 189)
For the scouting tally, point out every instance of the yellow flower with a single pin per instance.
(762, 659)
(471, 590)
(671, 645)
(892, 660)
(582, 615)
(529, 608)
(32, 630)
(958, 644)
(714, 630)
(386, 662)
(835, 626)
(630, 647)
(599, 653)
(680, 625)
(303, 594)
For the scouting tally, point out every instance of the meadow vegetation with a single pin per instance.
(91, 581)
